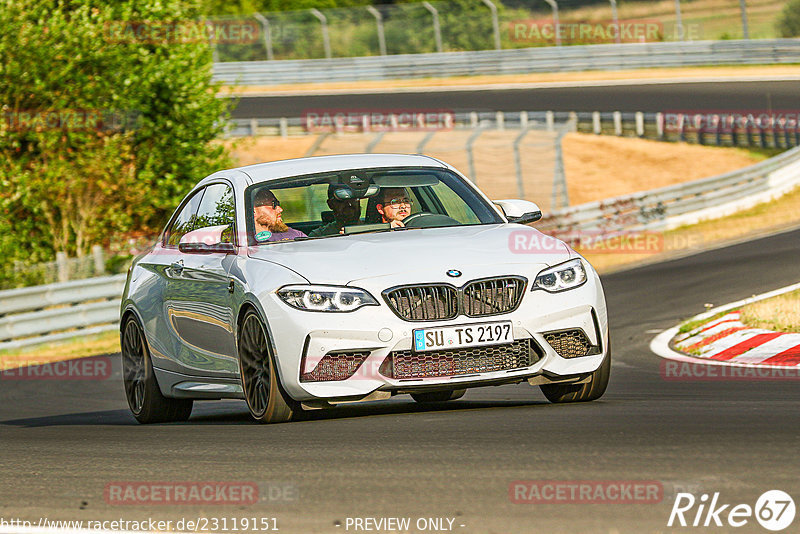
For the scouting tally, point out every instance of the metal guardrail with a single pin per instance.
(60, 311)
(33, 315)
(668, 207)
(513, 61)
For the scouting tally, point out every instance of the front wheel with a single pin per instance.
(145, 400)
(591, 390)
(262, 390)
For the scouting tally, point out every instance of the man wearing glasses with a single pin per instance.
(345, 213)
(269, 225)
(394, 206)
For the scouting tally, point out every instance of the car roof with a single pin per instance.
(264, 172)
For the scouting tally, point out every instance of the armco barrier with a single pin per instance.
(33, 315)
(48, 313)
(515, 61)
(669, 207)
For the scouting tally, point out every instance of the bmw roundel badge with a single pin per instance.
(453, 273)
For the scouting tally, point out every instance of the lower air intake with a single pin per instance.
(571, 343)
(335, 366)
(406, 364)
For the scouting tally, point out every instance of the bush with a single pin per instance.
(99, 135)
(789, 20)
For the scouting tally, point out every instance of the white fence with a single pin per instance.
(515, 61)
(766, 130)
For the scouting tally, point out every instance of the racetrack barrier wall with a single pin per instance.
(513, 61)
(52, 312)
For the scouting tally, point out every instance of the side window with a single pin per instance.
(217, 209)
(185, 220)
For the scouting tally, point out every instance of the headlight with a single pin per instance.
(567, 275)
(326, 298)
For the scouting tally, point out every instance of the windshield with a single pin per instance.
(361, 201)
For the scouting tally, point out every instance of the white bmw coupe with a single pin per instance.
(312, 282)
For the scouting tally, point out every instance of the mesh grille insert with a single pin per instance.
(571, 343)
(404, 364)
(335, 366)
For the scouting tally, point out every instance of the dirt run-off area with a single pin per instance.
(596, 167)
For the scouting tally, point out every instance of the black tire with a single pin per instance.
(439, 396)
(144, 397)
(591, 390)
(266, 400)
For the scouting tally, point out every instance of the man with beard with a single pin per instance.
(394, 206)
(345, 213)
(269, 224)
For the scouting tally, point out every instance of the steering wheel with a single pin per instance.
(425, 219)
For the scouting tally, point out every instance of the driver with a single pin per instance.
(345, 213)
(394, 205)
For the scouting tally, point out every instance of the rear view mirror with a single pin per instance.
(519, 211)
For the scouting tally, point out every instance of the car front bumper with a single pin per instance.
(302, 338)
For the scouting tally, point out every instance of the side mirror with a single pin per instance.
(206, 241)
(519, 211)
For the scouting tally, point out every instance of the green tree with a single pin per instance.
(789, 20)
(103, 129)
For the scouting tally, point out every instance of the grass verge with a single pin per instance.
(82, 347)
(779, 314)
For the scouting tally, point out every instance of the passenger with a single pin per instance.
(269, 225)
(394, 205)
(345, 212)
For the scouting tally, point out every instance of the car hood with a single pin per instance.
(416, 253)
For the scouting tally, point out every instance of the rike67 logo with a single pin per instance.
(774, 510)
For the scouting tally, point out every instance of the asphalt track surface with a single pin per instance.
(685, 96)
(62, 442)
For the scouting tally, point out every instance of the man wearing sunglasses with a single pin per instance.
(394, 206)
(345, 213)
(269, 225)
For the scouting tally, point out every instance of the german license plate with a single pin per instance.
(471, 335)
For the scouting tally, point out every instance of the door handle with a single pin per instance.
(177, 266)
